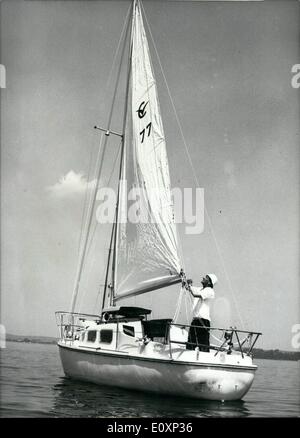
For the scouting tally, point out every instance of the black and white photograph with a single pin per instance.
(150, 211)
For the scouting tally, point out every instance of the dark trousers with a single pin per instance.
(199, 334)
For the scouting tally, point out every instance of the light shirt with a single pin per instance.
(201, 306)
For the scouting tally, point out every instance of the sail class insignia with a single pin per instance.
(142, 110)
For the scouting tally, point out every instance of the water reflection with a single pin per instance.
(79, 399)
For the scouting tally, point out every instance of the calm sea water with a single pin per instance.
(33, 385)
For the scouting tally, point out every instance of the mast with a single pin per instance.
(92, 205)
(108, 266)
(116, 228)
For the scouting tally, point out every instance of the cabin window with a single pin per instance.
(106, 336)
(128, 330)
(91, 337)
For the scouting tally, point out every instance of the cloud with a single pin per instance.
(70, 185)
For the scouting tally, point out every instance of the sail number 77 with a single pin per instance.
(148, 129)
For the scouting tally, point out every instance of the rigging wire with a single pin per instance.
(94, 231)
(85, 200)
(178, 306)
(108, 81)
(194, 172)
(107, 184)
(98, 169)
(91, 241)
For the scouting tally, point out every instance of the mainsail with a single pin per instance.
(146, 241)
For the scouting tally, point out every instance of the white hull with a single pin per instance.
(211, 381)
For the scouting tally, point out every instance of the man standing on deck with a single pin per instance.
(199, 334)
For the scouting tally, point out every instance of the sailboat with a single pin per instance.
(121, 345)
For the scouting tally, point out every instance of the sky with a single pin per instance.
(228, 68)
